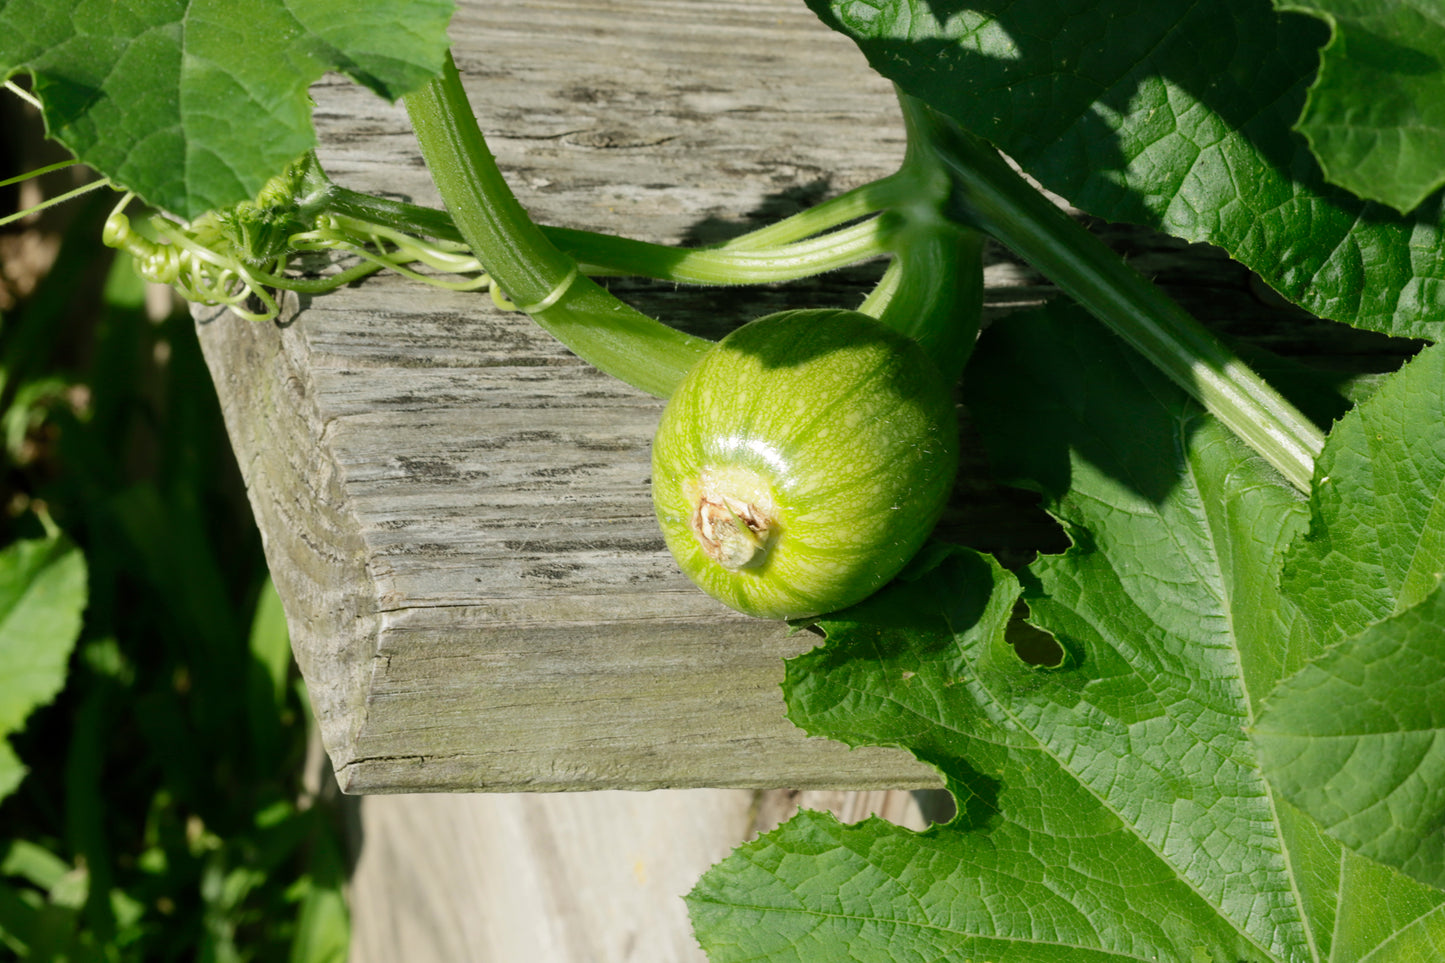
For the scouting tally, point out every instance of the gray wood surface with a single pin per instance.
(456, 511)
(560, 877)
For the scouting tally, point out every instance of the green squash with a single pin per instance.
(803, 461)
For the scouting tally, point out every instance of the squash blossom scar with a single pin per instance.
(732, 532)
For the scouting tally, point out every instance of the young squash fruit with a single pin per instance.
(803, 461)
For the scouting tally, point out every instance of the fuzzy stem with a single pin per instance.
(859, 202)
(597, 327)
(52, 201)
(400, 215)
(933, 289)
(933, 292)
(605, 254)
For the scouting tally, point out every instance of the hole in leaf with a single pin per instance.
(1032, 644)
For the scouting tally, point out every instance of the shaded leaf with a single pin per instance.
(323, 925)
(195, 104)
(1176, 114)
(42, 596)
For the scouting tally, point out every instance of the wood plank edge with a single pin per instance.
(309, 531)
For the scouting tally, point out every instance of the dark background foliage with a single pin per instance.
(166, 814)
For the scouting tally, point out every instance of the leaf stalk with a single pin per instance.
(596, 326)
(995, 197)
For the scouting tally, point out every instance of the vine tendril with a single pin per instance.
(203, 262)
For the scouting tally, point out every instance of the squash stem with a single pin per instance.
(534, 273)
(608, 255)
(861, 201)
(932, 290)
(602, 254)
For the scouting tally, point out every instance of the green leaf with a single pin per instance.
(270, 645)
(267, 673)
(1110, 809)
(42, 596)
(12, 770)
(1375, 117)
(33, 863)
(28, 410)
(20, 916)
(1352, 739)
(195, 104)
(323, 924)
(1175, 114)
(1357, 740)
(1028, 869)
(1376, 544)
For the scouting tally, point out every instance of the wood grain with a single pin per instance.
(560, 877)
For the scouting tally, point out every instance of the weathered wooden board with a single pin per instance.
(456, 511)
(560, 877)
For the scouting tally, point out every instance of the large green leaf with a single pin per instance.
(1376, 543)
(1030, 869)
(195, 104)
(42, 597)
(1356, 740)
(1112, 808)
(1176, 114)
(1375, 118)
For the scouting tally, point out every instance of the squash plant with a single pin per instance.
(1237, 753)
